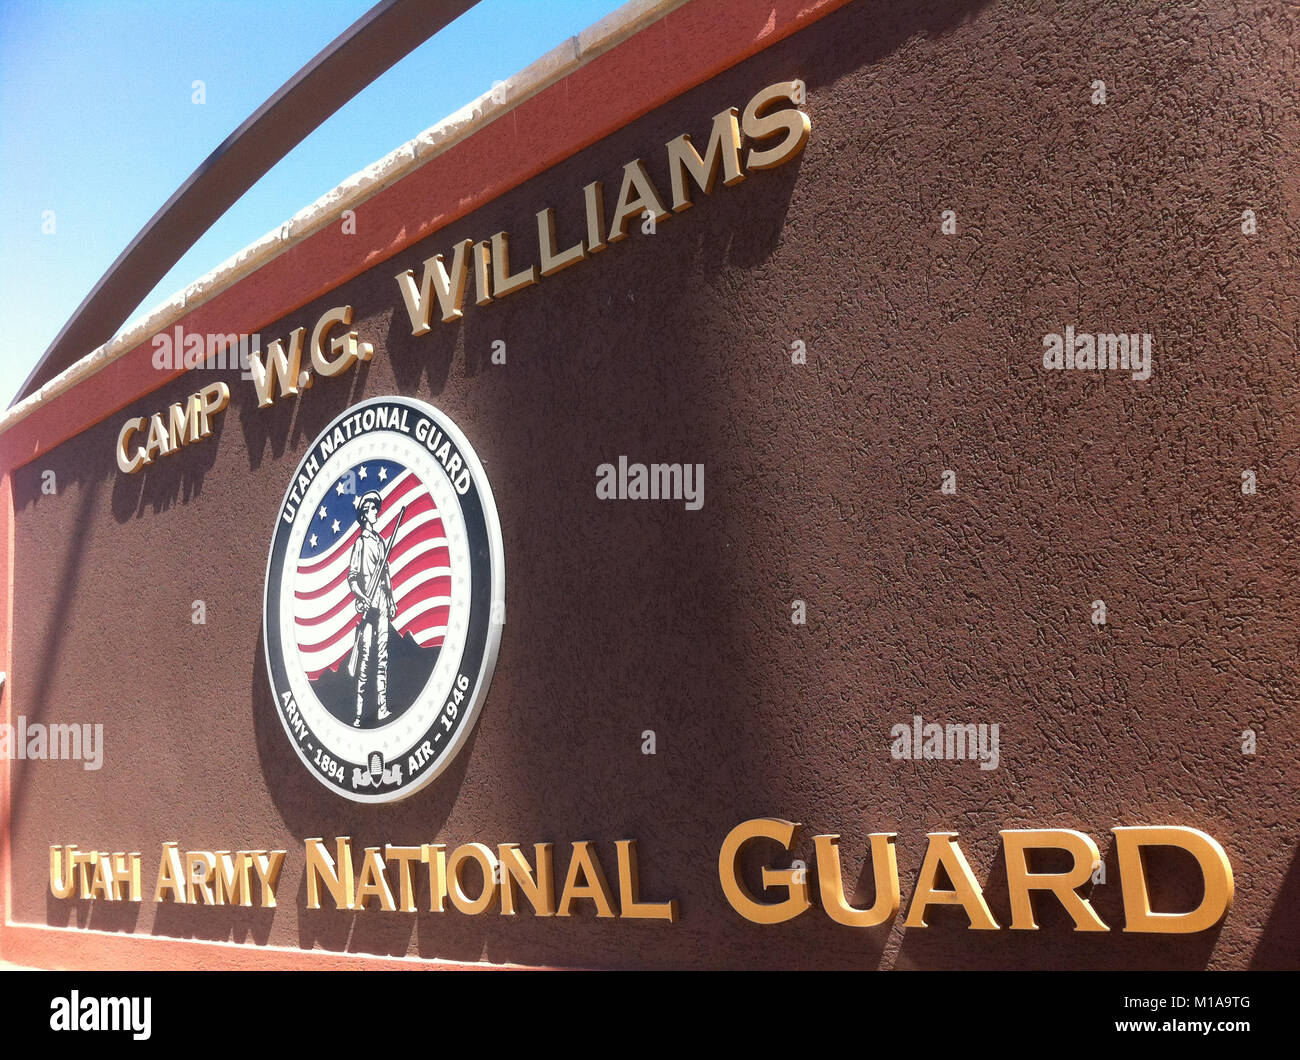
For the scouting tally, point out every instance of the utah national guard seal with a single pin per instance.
(385, 594)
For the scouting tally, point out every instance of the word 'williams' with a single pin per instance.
(770, 131)
(1098, 352)
(651, 482)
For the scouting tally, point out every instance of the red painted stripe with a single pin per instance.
(441, 584)
(433, 587)
(408, 576)
(347, 628)
(430, 531)
(424, 533)
(342, 638)
(324, 590)
(337, 609)
(438, 557)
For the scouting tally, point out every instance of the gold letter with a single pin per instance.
(231, 883)
(482, 273)
(540, 892)
(198, 881)
(129, 464)
(629, 887)
(1017, 842)
(79, 862)
(595, 886)
(502, 282)
(373, 883)
(594, 197)
(171, 878)
(185, 421)
(99, 881)
(759, 127)
(347, 349)
(268, 873)
(966, 892)
(157, 444)
(286, 369)
(436, 856)
(321, 869)
(551, 261)
(647, 198)
(1215, 871)
(124, 869)
(62, 879)
(487, 862)
(744, 903)
(723, 150)
(405, 882)
(215, 396)
(831, 884)
(451, 289)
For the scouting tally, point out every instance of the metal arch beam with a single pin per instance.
(383, 35)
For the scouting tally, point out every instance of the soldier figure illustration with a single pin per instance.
(368, 577)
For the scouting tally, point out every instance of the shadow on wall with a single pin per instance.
(1279, 944)
(213, 923)
(174, 479)
(66, 471)
(296, 421)
(89, 914)
(867, 31)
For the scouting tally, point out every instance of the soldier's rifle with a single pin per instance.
(370, 596)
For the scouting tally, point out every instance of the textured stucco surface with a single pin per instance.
(821, 484)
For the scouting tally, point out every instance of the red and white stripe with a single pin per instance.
(325, 617)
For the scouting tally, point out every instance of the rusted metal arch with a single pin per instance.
(385, 34)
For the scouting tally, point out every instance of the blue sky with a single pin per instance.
(98, 125)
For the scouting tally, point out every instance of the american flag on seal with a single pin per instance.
(325, 618)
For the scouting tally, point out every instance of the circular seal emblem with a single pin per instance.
(384, 598)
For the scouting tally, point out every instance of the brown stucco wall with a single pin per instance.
(821, 484)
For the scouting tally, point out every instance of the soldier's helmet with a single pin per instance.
(369, 498)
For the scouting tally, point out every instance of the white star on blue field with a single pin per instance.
(337, 515)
